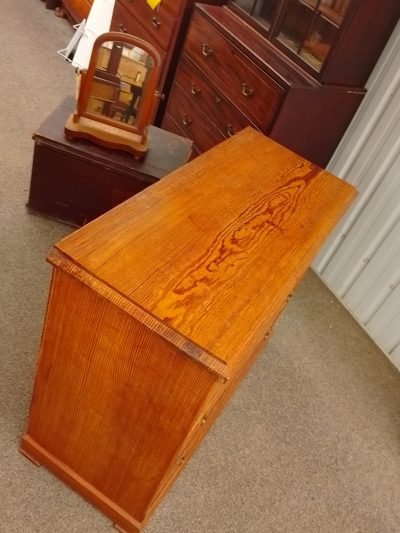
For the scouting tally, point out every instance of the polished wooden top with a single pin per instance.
(214, 250)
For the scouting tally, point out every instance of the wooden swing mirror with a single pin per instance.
(117, 94)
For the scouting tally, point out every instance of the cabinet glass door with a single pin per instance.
(262, 11)
(309, 28)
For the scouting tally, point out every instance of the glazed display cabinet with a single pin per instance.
(294, 69)
(336, 41)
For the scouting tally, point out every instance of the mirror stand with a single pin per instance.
(117, 94)
(107, 135)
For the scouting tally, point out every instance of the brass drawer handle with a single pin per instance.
(194, 89)
(246, 90)
(186, 121)
(123, 28)
(206, 50)
(229, 130)
(156, 23)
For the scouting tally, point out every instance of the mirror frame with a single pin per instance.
(150, 95)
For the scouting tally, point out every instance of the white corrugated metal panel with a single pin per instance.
(360, 263)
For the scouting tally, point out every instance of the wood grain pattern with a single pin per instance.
(106, 395)
(158, 309)
(253, 225)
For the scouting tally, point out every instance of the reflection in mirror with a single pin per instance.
(120, 77)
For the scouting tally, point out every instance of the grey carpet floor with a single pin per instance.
(309, 443)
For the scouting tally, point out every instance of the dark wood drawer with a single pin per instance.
(170, 125)
(123, 21)
(159, 23)
(192, 121)
(213, 103)
(245, 83)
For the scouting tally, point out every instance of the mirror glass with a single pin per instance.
(120, 77)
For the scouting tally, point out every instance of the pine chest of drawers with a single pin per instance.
(159, 307)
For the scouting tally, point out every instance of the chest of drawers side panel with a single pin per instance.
(313, 120)
(233, 71)
(112, 401)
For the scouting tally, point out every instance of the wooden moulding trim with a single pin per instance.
(35, 452)
(216, 365)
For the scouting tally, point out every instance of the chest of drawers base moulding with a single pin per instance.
(159, 307)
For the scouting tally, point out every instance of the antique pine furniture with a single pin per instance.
(294, 69)
(76, 181)
(159, 307)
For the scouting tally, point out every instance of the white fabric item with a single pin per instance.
(98, 22)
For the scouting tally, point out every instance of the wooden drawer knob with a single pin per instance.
(246, 90)
(186, 121)
(206, 50)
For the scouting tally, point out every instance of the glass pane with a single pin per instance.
(261, 10)
(297, 19)
(309, 28)
(318, 42)
(121, 73)
(334, 10)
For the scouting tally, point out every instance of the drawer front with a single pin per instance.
(251, 89)
(173, 7)
(123, 21)
(228, 119)
(158, 24)
(169, 124)
(192, 121)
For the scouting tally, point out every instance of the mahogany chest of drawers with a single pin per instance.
(159, 307)
(164, 27)
(229, 76)
(77, 10)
